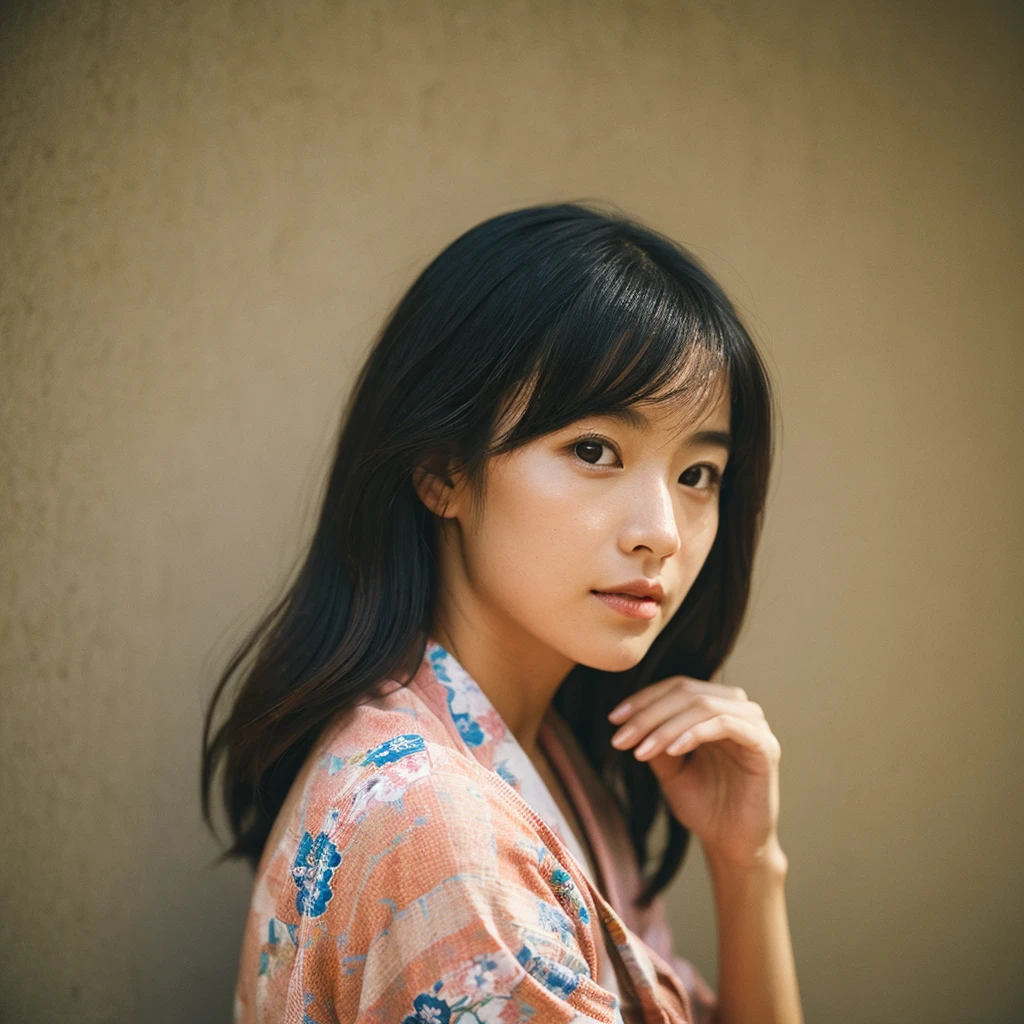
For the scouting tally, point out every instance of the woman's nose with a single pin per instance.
(652, 521)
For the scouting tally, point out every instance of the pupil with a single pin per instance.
(594, 446)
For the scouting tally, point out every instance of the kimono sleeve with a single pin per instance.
(451, 905)
(703, 999)
(657, 933)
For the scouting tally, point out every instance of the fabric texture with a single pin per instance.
(420, 871)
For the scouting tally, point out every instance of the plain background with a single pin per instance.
(207, 210)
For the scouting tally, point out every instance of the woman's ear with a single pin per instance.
(438, 488)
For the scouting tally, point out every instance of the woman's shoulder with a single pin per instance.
(365, 759)
(396, 831)
(391, 793)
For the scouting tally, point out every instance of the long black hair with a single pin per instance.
(570, 311)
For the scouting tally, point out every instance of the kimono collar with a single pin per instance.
(488, 738)
(449, 690)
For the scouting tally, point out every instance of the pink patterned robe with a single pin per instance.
(420, 871)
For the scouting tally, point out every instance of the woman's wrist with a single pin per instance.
(767, 863)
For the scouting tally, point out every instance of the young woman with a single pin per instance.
(496, 664)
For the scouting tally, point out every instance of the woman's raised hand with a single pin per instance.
(716, 759)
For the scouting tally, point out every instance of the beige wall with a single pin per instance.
(205, 214)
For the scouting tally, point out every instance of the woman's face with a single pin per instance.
(600, 504)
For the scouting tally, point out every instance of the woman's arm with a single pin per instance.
(756, 970)
(717, 762)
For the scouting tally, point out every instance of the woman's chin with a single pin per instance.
(615, 655)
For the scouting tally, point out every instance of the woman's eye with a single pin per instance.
(597, 452)
(692, 476)
(590, 450)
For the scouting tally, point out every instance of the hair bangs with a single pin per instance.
(634, 336)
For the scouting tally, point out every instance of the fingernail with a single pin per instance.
(623, 736)
(678, 744)
(620, 712)
(645, 748)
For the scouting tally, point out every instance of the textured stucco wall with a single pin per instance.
(206, 209)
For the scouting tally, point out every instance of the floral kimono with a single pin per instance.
(420, 871)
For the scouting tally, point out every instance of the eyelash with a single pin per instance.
(714, 473)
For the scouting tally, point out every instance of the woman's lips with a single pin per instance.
(631, 607)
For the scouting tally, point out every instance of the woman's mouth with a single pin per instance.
(626, 604)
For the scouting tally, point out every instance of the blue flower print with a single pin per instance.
(469, 728)
(552, 975)
(308, 999)
(554, 920)
(315, 861)
(276, 950)
(437, 662)
(568, 894)
(503, 770)
(429, 1010)
(395, 749)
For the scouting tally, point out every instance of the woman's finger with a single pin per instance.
(656, 691)
(716, 689)
(643, 698)
(726, 726)
(661, 723)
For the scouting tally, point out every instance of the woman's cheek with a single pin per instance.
(540, 538)
(698, 539)
(563, 520)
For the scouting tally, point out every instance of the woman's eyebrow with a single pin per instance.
(718, 438)
(638, 421)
